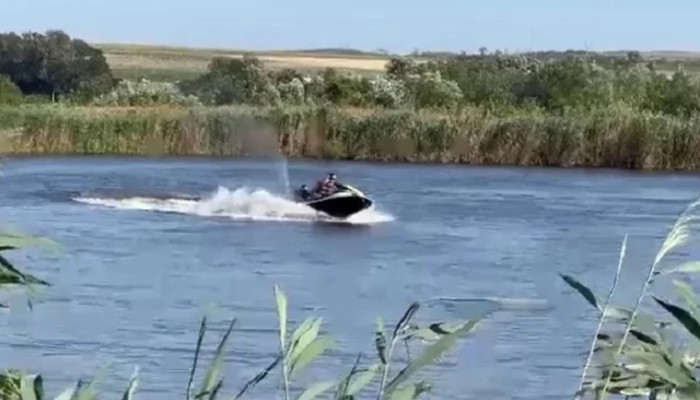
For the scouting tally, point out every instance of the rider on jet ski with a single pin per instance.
(326, 187)
(323, 188)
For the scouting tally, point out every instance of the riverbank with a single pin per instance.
(607, 137)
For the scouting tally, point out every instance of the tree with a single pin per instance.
(53, 64)
(9, 92)
(233, 81)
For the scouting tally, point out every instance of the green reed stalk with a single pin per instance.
(623, 250)
(677, 237)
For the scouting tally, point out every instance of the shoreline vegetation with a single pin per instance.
(59, 96)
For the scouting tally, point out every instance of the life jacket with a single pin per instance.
(326, 186)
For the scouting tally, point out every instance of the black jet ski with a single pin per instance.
(342, 203)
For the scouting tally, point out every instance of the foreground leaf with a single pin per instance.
(281, 315)
(341, 392)
(69, 393)
(303, 340)
(211, 376)
(200, 337)
(643, 337)
(316, 390)
(31, 387)
(380, 340)
(406, 318)
(658, 365)
(313, 350)
(429, 355)
(90, 392)
(301, 329)
(410, 391)
(8, 271)
(131, 388)
(361, 379)
(10, 241)
(683, 316)
(582, 289)
(259, 377)
(688, 295)
(688, 267)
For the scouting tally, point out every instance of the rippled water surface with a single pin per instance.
(149, 246)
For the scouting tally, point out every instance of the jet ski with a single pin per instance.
(342, 203)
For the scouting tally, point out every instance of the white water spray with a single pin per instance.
(240, 204)
(285, 177)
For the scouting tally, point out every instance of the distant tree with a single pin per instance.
(634, 57)
(233, 81)
(399, 68)
(679, 95)
(346, 88)
(53, 64)
(9, 92)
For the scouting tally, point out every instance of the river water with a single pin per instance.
(149, 246)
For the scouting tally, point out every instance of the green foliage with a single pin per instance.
(9, 92)
(145, 93)
(10, 275)
(636, 356)
(233, 81)
(620, 138)
(53, 64)
(300, 349)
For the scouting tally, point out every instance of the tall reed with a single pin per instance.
(636, 357)
(618, 137)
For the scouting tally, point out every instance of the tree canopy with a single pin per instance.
(53, 64)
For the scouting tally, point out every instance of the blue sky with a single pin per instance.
(400, 26)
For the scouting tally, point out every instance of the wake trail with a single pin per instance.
(239, 204)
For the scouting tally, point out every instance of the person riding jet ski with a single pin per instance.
(325, 187)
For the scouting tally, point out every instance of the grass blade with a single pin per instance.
(430, 354)
(656, 364)
(304, 339)
(683, 316)
(406, 318)
(380, 340)
(587, 292)
(688, 295)
(313, 350)
(200, 337)
(259, 377)
(281, 299)
(361, 379)
(24, 278)
(403, 322)
(341, 392)
(301, 329)
(69, 394)
(131, 388)
(211, 376)
(316, 390)
(582, 289)
(31, 387)
(410, 391)
(282, 315)
(688, 267)
(643, 337)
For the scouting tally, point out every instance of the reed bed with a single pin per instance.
(619, 137)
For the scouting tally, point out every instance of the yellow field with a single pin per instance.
(128, 60)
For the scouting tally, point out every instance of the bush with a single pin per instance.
(145, 93)
(387, 92)
(9, 92)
